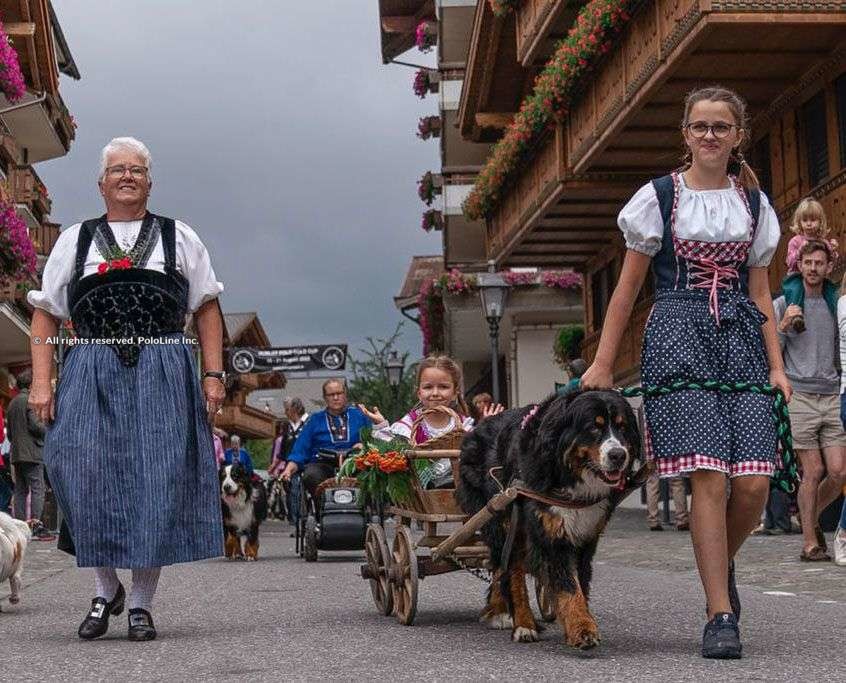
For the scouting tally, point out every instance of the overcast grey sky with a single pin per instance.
(277, 133)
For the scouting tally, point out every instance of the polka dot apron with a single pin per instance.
(703, 326)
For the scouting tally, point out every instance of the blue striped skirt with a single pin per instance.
(131, 460)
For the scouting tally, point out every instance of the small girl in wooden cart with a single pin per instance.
(808, 223)
(441, 411)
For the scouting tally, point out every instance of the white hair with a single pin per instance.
(125, 143)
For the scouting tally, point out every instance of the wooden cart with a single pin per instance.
(394, 575)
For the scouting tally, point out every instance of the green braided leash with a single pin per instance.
(787, 477)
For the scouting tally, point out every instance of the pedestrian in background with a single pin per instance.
(810, 360)
(840, 535)
(679, 493)
(479, 404)
(6, 482)
(26, 435)
(237, 454)
(809, 224)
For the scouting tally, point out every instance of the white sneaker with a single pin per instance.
(840, 547)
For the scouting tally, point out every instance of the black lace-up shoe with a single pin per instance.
(96, 623)
(734, 598)
(141, 625)
(721, 639)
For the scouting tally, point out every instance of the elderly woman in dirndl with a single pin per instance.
(129, 451)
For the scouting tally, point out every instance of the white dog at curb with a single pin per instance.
(14, 537)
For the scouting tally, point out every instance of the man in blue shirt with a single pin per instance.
(238, 454)
(337, 428)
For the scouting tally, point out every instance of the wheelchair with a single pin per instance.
(333, 521)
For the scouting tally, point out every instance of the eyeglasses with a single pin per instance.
(136, 172)
(699, 129)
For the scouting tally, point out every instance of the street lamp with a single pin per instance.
(493, 290)
(394, 367)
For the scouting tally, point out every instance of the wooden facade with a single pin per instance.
(786, 59)
(36, 128)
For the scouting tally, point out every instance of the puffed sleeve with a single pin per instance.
(641, 222)
(194, 263)
(767, 236)
(58, 271)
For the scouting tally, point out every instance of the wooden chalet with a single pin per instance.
(236, 416)
(534, 314)
(787, 59)
(36, 128)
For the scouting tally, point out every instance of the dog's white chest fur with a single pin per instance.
(583, 524)
(240, 512)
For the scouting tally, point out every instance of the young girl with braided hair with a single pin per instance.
(438, 384)
(709, 235)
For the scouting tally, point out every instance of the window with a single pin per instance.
(816, 141)
(840, 95)
(602, 286)
(761, 164)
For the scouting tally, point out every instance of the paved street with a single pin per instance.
(283, 618)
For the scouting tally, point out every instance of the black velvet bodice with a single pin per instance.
(122, 307)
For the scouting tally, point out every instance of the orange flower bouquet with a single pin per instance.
(383, 471)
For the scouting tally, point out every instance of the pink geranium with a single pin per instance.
(12, 83)
(17, 253)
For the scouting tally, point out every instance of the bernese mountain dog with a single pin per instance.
(244, 505)
(579, 448)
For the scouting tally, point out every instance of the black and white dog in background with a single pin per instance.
(244, 505)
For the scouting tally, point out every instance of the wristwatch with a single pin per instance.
(217, 375)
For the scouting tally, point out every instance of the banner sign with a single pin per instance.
(289, 358)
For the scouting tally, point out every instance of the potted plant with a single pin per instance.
(429, 127)
(432, 220)
(426, 35)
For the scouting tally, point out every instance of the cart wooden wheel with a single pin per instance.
(404, 576)
(544, 596)
(379, 562)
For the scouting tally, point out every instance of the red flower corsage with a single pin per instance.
(115, 264)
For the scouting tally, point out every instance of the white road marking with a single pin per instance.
(780, 593)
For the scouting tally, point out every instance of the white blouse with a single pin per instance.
(702, 215)
(192, 261)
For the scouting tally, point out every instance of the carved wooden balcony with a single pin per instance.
(623, 128)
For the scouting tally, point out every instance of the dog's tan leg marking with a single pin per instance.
(580, 629)
(495, 614)
(525, 628)
(251, 550)
(232, 546)
(18, 553)
(553, 525)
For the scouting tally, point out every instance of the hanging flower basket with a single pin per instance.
(12, 83)
(17, 253)
(426, 35)
(421, 83)
(428, 187)
(432, 220)
(567, 344)
(429, 127)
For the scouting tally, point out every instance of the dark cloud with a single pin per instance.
(277, 133)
